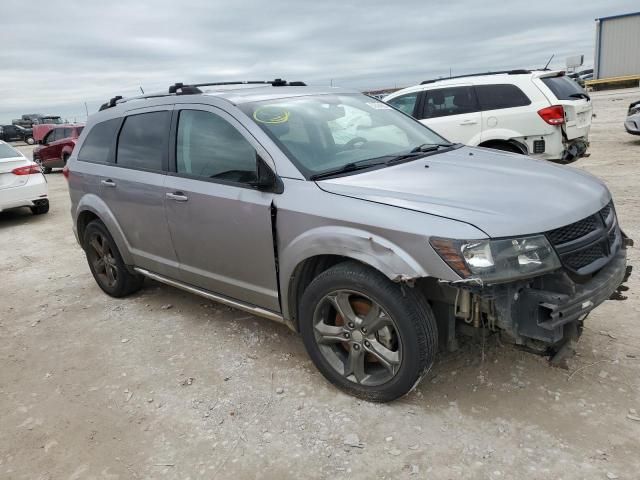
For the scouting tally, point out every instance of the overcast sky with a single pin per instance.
(54, 56)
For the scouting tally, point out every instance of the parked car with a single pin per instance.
(352, 223)
(57, 146)
(16, 133)
(22, 184)
(539, 113)
(632, 123)
(28, 120)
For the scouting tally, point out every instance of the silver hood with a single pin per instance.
(502, 194)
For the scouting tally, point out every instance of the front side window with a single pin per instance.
(321, 133)
(49, 137)
(405, 103)
(495, 97)
(443, 102)
(143, 141)
(58, 134)
(210, 147)
(98, 143)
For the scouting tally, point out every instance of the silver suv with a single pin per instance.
(344, 218)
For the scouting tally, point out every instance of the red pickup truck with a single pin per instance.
(57, 146)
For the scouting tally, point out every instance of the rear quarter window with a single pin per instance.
(98, 142)
(405, 103)
(495, 97)
(564, 88)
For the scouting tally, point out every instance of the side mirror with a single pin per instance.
(266, 180)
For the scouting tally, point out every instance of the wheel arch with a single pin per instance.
(507, 142)
(90, 208)
(319, 249)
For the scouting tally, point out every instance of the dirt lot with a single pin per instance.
(167, 385)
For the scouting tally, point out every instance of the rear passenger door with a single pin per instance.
(133, 188)
(220, 224)
(453, 113)
(506, 112)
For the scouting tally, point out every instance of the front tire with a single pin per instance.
(106, 264)
(373, 338)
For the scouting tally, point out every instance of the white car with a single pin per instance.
(539, 113)
(22, 183)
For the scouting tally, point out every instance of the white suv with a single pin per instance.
(540, 113)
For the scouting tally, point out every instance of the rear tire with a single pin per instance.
(106, 264)
(29, 141)
(41, 208)
(379, 363)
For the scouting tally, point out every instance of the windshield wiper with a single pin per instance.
(349, 167)
(580, 95)
(418, 152)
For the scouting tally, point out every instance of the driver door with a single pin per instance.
(220, 224)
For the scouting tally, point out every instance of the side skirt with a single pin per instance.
(260, 312)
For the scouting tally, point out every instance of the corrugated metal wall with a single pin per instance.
(618, 40)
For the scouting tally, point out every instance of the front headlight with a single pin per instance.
(495, 261)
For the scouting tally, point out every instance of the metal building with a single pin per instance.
(617, 52)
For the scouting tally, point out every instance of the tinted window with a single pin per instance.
(564, 88)
(143, 141)
(449, 101)
(208, 146)
(58, 134)
(98, 143)
(49, 137)
(405, 103)
(494, 97)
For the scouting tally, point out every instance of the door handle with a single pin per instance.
(468, 122)
(177, 196)
(108, 183)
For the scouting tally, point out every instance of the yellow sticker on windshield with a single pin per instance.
(271, 115)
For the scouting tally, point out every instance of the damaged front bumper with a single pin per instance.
(542, 309)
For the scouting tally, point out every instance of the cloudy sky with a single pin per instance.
(55, 56)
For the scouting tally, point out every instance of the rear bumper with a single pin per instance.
(26, 195)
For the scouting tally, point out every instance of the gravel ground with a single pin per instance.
(167, 385)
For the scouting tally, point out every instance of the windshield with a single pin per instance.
(6, 151)
(321, 133)
(564, 88)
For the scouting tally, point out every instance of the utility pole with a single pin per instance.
(86, 109)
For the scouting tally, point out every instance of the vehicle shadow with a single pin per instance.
(19, 216)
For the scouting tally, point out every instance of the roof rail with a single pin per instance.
(111, 103)
(182, 89)
(508, 72)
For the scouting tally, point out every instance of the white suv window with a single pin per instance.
(442, 102)
(405, 103)
(495, 97)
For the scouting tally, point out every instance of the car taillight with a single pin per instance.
(65, 172)
(553, 115)
(27, 170)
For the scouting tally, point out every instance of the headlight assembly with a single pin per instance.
(494, 261)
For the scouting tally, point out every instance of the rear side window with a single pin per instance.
(143, 141)
(405, 103)
(564, 88)
(443, 102)
(210, 147)
(98, 143)
(495, 97)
